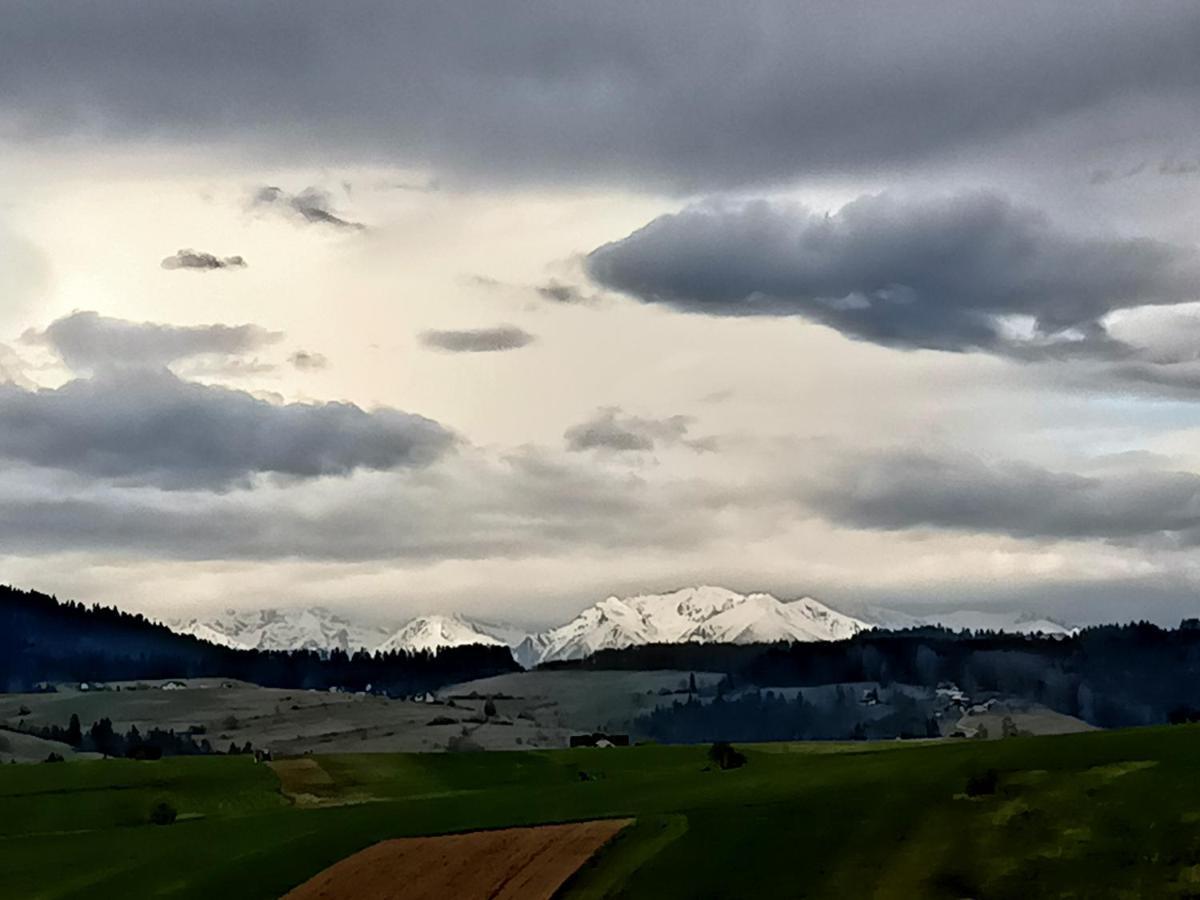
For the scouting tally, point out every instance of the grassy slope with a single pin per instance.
(1105, 814)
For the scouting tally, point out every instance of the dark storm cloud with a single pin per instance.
(612, 430)
(307, 361)
(965, 272)
(135, 421)
(196, 259)
(963, 493)
(87, 341)
(693, 94)
(478, 340)
(311, 205)
(151, 427)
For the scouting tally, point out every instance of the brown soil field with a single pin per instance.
(506, 864)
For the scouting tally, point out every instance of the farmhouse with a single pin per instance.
(599, 739)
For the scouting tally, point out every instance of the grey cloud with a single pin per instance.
(151, 427)
(464, 507)
(196, 259)
(558, 292)
(308, 361)
(311, 205)
(13, 369)
(922, 490)
(680, 93)
(966, 272)
(1179, 167)
(87, 341)
(612, 430)
(478, 340)
(1108, 176)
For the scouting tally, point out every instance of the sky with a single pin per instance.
(501, 308)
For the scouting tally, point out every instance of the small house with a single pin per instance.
(599, 739)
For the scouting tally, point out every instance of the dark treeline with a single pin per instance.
(771, 716)
(44, 640)
(101, 737)
(1110, 676)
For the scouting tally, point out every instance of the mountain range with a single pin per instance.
(695, 614)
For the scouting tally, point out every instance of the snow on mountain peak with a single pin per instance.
(435, 632)
(703, 614)
(314, 628)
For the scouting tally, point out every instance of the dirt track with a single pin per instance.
(508, 864)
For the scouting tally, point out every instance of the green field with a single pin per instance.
(1112, 814)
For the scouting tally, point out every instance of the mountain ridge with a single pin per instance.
(701, 614)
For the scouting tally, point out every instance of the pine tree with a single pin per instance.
(74, 731)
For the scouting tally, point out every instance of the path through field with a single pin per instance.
(506, 864)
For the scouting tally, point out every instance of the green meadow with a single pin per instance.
(1104, 814)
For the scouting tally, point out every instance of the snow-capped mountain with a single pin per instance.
(1016, 623)
(704, 614)
(968, 620)
(314, 628)
(432, 633)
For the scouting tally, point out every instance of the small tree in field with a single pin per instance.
(163, 813)
(725, 756)
(74, 731)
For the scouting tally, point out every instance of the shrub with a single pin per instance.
(982, 784)
(163, 813)
(463, 743)
(725, 756)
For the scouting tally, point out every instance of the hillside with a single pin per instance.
(1090, 815)
(43, 640)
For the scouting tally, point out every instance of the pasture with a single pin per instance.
(1102, 814)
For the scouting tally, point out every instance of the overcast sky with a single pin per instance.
(500, 308)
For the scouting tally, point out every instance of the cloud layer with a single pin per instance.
(966, 272)
(959, 492)
(680, 93)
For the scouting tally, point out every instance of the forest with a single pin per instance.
(1109, 676)
(43, 640)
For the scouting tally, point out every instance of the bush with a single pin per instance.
(163, 813)
(982, 784)
(725, 756)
